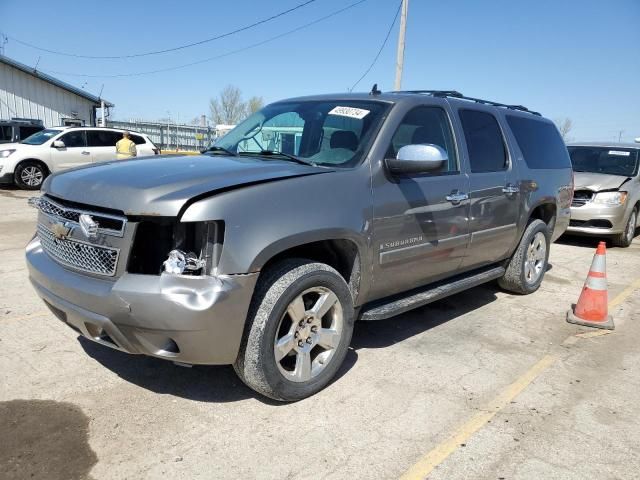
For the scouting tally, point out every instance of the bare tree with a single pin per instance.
(254, 104)
(565, 125)
(230, 109)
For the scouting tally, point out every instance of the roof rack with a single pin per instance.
(454, 94)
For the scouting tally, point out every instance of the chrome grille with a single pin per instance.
(581, 197)
(79, 255)
(107, 224)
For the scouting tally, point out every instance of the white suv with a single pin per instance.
(28, 162)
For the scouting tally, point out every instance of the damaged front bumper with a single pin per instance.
(187, 319)
(593, 219)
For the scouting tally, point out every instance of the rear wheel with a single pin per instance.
(527, 266)
(625, 238)
(30, 174)
(298, 332)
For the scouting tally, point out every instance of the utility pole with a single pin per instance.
(400, 54)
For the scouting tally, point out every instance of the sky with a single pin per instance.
(564, 58)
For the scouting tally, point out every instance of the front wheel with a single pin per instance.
(625, 238)
(29, 175)
(298, 332)
(528, 264)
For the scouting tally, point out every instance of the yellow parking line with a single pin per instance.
(622, 296)
(435, 457)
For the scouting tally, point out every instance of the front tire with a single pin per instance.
(625, 238)
(298, 330)
(30, 174)
(528, 264)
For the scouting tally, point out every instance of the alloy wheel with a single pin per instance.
(31, 176)
(536, 258)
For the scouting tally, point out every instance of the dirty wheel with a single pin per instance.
(625, 238)
(527, 266)
(299, 328)
(29, 175)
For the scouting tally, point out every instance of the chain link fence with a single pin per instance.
(171, 136)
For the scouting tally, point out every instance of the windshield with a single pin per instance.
(334, 133)
(41, 137)
(607, 160)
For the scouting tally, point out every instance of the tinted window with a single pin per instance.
(608, 160)
(74, 139)
(28, 131)
(6, 133)
(539, 142)
(426, 125)
(137, 139)
(484, 141)
(102, 138)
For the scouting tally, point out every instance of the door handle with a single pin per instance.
(457, 197)
(510, 189)
(84, 152)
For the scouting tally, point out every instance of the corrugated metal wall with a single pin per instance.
(23, 95)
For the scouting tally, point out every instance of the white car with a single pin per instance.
(27, 163)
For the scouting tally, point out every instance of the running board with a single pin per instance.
(396, 305)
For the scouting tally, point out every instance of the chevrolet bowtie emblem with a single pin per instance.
(61, 230)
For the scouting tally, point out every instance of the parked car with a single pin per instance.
(315, 212)
(606, 201)
(28, 162)
(18, 129)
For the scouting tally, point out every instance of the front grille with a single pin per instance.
(581, 197)
(79, 255)
(107, 224)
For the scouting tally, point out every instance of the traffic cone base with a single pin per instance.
(607, 324)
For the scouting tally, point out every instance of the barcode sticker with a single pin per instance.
(619, 152)
(350, 112)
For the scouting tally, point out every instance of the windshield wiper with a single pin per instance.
(215, 148)
(269, 153)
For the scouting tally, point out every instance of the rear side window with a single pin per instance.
(6, 133)
(539, 142)
(102, 138)
(485, 144)
(137, 139)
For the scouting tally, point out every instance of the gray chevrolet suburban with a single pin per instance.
(312, 213)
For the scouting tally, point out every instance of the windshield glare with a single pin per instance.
(40, 137)
(331, 133)
(607, 160)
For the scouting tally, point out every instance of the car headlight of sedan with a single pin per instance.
(6, 153)
(610, 198)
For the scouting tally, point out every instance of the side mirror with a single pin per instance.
(58, 144)
(417, 159)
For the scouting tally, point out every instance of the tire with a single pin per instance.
(625, 238)
(284, 297)
(528, 264)
(30, 174)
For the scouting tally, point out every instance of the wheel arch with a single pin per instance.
(33, 159)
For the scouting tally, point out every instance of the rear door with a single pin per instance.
(494, 189)
(102, 144)
(74, 153)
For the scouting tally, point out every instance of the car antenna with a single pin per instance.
(374, 90)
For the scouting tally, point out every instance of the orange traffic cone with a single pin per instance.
(591, 309)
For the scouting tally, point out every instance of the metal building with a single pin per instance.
(28, 93)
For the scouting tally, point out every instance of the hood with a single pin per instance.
(161, 186)
(598, 181)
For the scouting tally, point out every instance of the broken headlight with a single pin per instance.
(166, 245)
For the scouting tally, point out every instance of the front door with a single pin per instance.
(494, 190)
(420, 224)
(74, 153)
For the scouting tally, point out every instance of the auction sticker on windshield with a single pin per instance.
(619, 152)
(350, 112)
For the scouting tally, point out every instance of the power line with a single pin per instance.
(209, 59)
(375, 59)
(166, 50)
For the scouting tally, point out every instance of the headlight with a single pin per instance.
(610, 198)
(6, 153)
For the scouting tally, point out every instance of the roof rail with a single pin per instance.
(454, 94)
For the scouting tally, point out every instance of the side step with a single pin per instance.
(396, 305)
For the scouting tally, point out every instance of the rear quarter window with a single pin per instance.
(540, 143)
(137, 139)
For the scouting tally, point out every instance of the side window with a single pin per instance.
(426, 125)
(137, 139)
(28, 131)
(484, 141)
(102, 138)
(74, 139)
(6, 133)
(540, 142)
